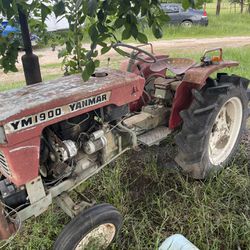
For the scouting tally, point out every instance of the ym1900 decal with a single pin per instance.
(51, 114)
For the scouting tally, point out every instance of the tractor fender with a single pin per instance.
(194, 78)
(198, 75)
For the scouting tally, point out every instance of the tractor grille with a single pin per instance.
(4, 168)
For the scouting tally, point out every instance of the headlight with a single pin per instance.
(2, 136)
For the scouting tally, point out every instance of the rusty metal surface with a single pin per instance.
(176, 65)
(15, 101)
(198, 75)
(6, 228)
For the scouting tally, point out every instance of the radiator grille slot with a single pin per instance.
(4, 165)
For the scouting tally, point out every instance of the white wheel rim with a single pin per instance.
(187, 24)
(225, 131)
(99, 237)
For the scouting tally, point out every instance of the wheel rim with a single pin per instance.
(187, 24)
(100, 237)
(225, 131)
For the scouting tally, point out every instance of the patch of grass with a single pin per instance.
(240, 55)
(51, 66)
(224, 25)
(158, 202)
(19, 84)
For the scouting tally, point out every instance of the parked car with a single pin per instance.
(187, 18)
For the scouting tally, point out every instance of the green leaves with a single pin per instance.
(142, 38)
(185, 4)
(105, 49)
(88, 70)
(93, 33)
(59, 8)
(78, 4)
(119, 22)
(126, 34)
(45, 11)
(157, 31)
(104, 22)
(8, 54)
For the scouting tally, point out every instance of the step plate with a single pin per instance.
(155, 136)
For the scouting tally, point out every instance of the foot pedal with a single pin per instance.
(155, 136)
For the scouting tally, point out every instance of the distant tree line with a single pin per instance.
(242, 4)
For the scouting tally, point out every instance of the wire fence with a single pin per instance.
(228, 8)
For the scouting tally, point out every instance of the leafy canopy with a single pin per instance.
(100, 18)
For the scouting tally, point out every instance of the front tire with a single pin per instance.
(212, 127)
(94, 228)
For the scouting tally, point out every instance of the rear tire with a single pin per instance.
(212, 127)
(187, 24)
(94, 228)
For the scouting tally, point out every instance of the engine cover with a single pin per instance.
(25, 112)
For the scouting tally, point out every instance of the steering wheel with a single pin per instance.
(136, 51)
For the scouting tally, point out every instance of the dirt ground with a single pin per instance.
(50, 58)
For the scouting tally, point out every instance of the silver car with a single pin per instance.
(189, 17)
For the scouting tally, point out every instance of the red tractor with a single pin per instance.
(56, 135)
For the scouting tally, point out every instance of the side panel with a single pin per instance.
(23, 161)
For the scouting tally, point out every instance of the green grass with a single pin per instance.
(51, 65)
(229, 23)
(240, 55)
(157, 202)
(224, 25)
(19, 84)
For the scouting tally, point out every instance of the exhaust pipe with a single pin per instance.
(30, 61)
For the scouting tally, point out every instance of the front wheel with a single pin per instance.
(94, 228)
(212, 128)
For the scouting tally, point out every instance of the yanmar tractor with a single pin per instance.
(56, 135)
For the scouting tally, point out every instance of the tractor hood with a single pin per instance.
(42, 104)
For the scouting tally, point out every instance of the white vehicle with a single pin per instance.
(55, 24)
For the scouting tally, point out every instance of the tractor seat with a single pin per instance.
(177, 66)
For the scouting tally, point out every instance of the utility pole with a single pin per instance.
(30, 61)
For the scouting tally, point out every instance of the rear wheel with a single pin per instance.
(212, 128)
(187, 24)
(94, 228)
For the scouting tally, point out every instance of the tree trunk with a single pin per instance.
(218, 7)
(241, 6)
